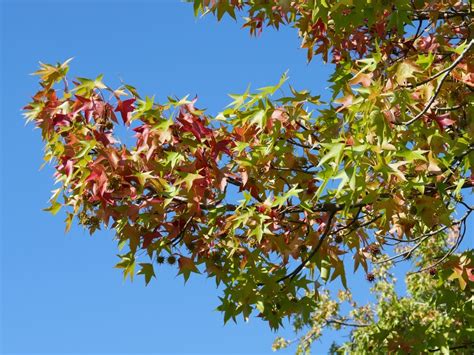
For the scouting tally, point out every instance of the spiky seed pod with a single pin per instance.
(160, 259)
(171, 259)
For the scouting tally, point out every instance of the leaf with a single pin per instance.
(362, 78)
(127, 263)
(412, 155)
(189, 180)
(126, 108)
(325, 269)
(68, 221)
(51, 74)
(394, 167)
(281, 200)
(132, 90)
(86, 86)
(458, 189)
(174, 158)
(346, 101)
(270, 90)
(258, 118)
(444, 121)
(344, 180)
(147, 271)
(433, 166)
(54, 208)
(405, 70)
(144, 176)
(186, 267)
(334, 153)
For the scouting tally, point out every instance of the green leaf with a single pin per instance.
(412, 155)
(51, 74)
(459, 186)
(258, 118)
(144, 176)
(334, 153)
(325, 269)
(54, 208)
(281, 200)
(189, 179)
(127, 263)
(147, 271)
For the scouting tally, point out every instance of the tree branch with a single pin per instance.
(337, 321)
(296, 271)
(463, 346)
(444, 74)
(421, 239)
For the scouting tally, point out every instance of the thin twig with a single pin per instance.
(296, 271)
(463, 346)
(180, 235)
(337, 321)
(450, 251)
(444, 74)
(425, 236)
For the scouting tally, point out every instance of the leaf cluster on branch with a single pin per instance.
(276, 195)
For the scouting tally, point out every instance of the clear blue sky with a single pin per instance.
(60, 292)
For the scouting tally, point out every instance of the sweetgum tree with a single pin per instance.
(378, 175)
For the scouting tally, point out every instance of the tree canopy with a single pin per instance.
(277, 197)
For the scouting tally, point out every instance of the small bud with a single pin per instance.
(370, 277)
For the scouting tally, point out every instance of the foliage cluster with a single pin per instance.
(377, 175)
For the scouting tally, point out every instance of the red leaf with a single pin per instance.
(444, 121)
(105, 138)
(125, 108)
(84, 104)
(148, 238)
(470, 273)
(193, 124)
(61, 120)
(220, 146)
(68, 168)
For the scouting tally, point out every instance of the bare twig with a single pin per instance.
(341, 322)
